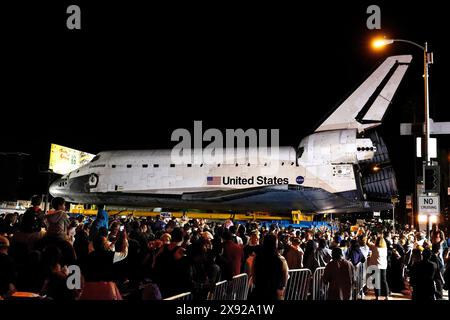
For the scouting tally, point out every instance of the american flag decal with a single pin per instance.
(213, 181)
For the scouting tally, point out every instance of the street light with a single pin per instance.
(427, 60)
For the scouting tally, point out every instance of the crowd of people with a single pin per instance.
(155, 258)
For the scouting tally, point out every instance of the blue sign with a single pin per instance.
(300, 179)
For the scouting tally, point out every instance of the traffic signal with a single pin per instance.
(431, 180)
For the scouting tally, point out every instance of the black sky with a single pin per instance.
(136, 72)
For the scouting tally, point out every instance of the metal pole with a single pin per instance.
(427, 108)
(426, 155)
(393, 219)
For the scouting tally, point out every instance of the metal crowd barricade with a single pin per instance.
(239, 286)
(220, 291)
(181, 297)
(297, 287)
(360, 276)
(320, 288)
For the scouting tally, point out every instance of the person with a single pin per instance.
(379, 259)
(447, 275)
(323, 253)
(72, 230)
(294, 256)
(424, 273)
(32, 219)
(101, 219)
(339, 274)
(31, 277)
(204, 270)
(7, 267)
(99, 263)
(344, 245)
(233, 256)
(57, 219)
(81, 243)
(98, 269)
(9, 225)
(242, 233)
(270, 271)
(58, 222)
(159, 224)
(166, 238)
(172, 271)
(309, 258)
(363, 246)
(253, 242)
(436, 258)
(397, 264)
(354, 254)
(236, 239)
(55, 285)
(437, 237)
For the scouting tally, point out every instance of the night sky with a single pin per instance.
(133, 74)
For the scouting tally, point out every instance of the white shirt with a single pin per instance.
(379, 257)
(365, 251)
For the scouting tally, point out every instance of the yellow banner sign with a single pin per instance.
(64, 160)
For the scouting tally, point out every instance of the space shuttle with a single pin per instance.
(341, 167)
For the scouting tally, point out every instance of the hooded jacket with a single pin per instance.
(57, 223)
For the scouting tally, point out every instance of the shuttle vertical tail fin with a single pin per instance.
(366, 106)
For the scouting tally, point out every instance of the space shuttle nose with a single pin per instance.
(54, 188)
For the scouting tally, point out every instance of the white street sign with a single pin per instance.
(432, 147)
(428, 204)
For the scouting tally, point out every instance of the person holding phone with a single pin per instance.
(99, 264)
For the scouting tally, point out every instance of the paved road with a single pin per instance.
(406, 295)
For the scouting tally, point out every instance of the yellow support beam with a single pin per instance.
(191, 215)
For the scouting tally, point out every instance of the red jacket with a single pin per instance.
(234, 255)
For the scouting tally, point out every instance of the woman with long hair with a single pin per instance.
(270, 271)
(379, 259)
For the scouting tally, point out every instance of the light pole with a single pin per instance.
(427, 60)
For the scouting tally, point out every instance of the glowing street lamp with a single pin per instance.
(379, 43)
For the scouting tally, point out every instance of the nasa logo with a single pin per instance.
(300, 179)
(93, 180)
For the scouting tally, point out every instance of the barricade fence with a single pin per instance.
(359, 281)
(298, 284)
(180, 297)
(302, 284)
(320, 288)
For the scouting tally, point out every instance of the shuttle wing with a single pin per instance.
(306, 199)
(221, 195)
(366, 106)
